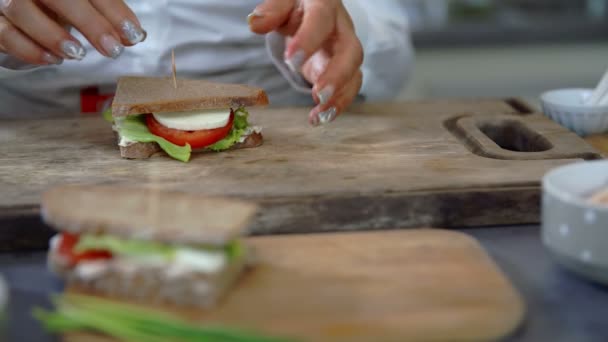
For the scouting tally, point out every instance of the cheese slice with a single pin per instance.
(194, 120)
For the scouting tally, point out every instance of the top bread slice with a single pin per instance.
(142, 95)
(146, 214)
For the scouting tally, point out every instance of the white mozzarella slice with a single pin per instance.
(202, 261)
(194, 120)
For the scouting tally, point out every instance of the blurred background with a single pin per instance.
(485, 48)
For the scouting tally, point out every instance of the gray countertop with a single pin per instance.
(561, 306)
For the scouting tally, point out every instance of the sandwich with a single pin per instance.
(154, 114)
(147, 245)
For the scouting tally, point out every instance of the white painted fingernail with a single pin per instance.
(253, 15)
(295, 62)
(51, 59)
(132, 32)
(325, 94)
(327, 116)
(73, 49)
(112, 47)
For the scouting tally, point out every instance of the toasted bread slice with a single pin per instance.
(146, 214)
(141, 95)
(149, 284)
(146, 150)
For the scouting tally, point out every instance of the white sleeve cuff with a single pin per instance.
(12, 67)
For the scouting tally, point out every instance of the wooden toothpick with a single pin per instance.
(174, 71)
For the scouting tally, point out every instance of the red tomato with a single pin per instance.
(196, 139)
(66, 249)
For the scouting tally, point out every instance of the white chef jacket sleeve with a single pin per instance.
(382, 28)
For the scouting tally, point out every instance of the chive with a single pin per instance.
(79, 312)
(108, 325)
(56, 322)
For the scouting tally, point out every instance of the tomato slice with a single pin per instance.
(196, 139)
(66, 249)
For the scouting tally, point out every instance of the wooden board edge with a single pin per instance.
(453, 209)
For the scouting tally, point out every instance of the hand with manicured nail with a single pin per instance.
(34, 31)
(322, 46)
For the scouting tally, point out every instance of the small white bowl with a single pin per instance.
(566, 107)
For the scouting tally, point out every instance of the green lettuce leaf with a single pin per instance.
(107, 115)
(123, 247)
(134, 128)
(239, 127)
(235, 250)
(118, 246)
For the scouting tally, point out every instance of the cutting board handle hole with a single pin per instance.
(514, 136)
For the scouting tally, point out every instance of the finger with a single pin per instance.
(294, 22)
(33, 22)
(345, 62)
(318, 24)
(325, 113)
(270, 15)
(86, 19)
(122, 19)
(17, 44)
(314, 67)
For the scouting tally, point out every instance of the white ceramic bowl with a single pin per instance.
(3, 304)
(574, 230)
(565, 106)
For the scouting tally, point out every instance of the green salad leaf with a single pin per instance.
(134, 128)
(127, 247)
(119, 246)
(107, 115)
(239, 127)
(235, 250)
(130, 323)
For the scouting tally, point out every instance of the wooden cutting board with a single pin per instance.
(600, 142)
(452, 164)
(409, 285)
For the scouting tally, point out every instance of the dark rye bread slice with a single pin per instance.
(149, 284)
(146, 214)
(146, 150)
(141, 95)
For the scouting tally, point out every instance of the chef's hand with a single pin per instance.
(34, 31)
(322, 46)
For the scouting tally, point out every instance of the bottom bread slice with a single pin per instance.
(152, 284)
(140, 150)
